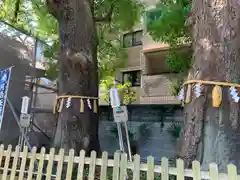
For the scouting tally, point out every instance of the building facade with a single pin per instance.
(152, 118)
(146, 67)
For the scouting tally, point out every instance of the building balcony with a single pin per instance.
(155, 89)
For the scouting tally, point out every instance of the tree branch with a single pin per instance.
(16, 10)
(107, 17)
(52, 6)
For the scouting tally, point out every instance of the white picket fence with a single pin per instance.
(33, 165)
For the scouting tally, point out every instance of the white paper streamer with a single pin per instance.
(198, 90)
(181, 95)
(69, 102)
(89, 103)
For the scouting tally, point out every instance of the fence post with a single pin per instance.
(31, 166)
(23, 163)
(136, 167)
(60, 164)
(104, 166)
(164, 169)
(1, 153)
(232, 172)
(116, 165)
(213, 171)
(40, 164)
(50, 164)
(150, 168)
(123, 166)
(81, 165)
(15, 161)
(180, 169)
(92, 165)
(6, 164)
(196, 170)
(70, 164)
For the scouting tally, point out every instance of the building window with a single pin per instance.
(153, 15)
(134, 77)
(132, 39)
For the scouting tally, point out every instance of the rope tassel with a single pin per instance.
(61, 105)
(188, 94)
(81, 106)
(95, 106)
(217, 96)
(55, 106)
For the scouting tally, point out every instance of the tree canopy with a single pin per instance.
(112, 19)
(170, 28)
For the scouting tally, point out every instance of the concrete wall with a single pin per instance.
(145, 122)
(155, 141)
(133, 62)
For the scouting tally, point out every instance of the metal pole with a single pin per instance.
(21, 141)
(120, 137)
(33, 73)
(18, 122)
(128, 142)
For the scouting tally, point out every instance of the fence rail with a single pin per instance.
(33, 165)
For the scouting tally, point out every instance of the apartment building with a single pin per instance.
(146, 67)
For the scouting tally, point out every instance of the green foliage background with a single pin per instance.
(170, 28)
(34, 19)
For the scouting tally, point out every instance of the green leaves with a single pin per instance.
(179, 62)
(111, 55)
(126, 92)
(125, 14)
(170, 28)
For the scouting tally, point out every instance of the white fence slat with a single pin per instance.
(116, 166)
(164, 166)
(6, 164)
(92, 165)
(196, 170)
(1, 153)
(180, 169)
(23, 163)
(50, 164)
(81, 165)
(60, 164)
(150, 168)
(136, 167)
(15, 163)
(32, 161)
(70, 165)
(213, 171)
(119, 164)
(232, 172)
(123, 166)
(41, 163)
(104, 166)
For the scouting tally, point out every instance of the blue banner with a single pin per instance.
(4, 82)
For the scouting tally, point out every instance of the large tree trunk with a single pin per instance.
(210, 134)
(78, 75)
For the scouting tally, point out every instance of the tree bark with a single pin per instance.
(78, 75)
(210, 134)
